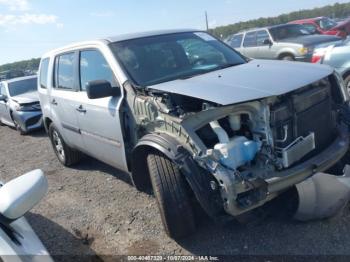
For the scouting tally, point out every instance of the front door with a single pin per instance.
(249, 45)
(99, 120)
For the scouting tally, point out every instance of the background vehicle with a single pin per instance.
(191, 118)
(325, 26)
(18, 241)
(19, 104)
(337, 56)
(283, 42)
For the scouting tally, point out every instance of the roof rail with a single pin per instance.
(250, 29)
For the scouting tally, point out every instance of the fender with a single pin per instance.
(197, 178)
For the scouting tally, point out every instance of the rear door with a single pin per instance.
(63, 99)
(99, 120)
(5, 116)
(236, 42)
(249, 45)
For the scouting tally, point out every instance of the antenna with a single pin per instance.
(206, 20)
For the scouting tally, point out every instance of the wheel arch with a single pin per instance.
(162, 143)
(346, 74)
(193, 174)
(47, 122)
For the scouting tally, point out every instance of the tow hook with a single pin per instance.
(322, 195)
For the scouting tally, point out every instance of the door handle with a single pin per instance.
(54, 102)
(81, 109)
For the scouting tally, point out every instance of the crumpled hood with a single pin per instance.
(254, 80)
(25, 98)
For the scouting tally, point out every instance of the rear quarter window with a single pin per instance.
(44, 73)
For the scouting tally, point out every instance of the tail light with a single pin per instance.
(318, 55)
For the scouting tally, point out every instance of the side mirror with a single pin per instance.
(21, 194)
(101, 88)
(3, 98)
(267, 42)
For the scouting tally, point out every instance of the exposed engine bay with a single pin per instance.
(246, 146)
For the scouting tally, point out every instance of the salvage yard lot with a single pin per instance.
(93, 209)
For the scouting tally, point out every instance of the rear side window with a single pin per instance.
(250, 39)
(65, 71)
(43, 72)
(2, 89)
(93, 66)
(236, 41)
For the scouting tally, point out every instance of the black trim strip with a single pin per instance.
(71, 128)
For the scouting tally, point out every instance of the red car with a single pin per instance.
(325, 26)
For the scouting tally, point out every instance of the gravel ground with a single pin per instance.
(93, 209)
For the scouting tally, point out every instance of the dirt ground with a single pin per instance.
(93, 209)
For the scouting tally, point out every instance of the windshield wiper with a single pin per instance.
(203, 71)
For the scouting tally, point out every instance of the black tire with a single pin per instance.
(66, 155)
(287, 58)
(347, 83)
(172, 194)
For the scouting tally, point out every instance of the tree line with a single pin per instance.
(335, 11)
(31, 65)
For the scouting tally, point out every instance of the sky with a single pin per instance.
(29, 28)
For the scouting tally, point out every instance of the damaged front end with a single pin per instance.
(240, 156)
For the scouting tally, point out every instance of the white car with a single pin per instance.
(18, 241)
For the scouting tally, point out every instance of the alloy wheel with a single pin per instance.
(58, 145)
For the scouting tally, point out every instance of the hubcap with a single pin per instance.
(58, 145)
(348, 86)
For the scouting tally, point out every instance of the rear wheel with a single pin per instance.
(66, 155)
(172, 193)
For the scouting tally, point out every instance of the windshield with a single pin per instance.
(326, 23)
(157, 59)
(288, 31)
(22, 86)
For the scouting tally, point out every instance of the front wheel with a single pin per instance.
(347, 83)
(172, 194)
(66, 155)
(287, 58)
(19, 129)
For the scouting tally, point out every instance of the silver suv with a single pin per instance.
(190, 118)
(284, 42)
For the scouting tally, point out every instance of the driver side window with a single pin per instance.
(93, 66)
